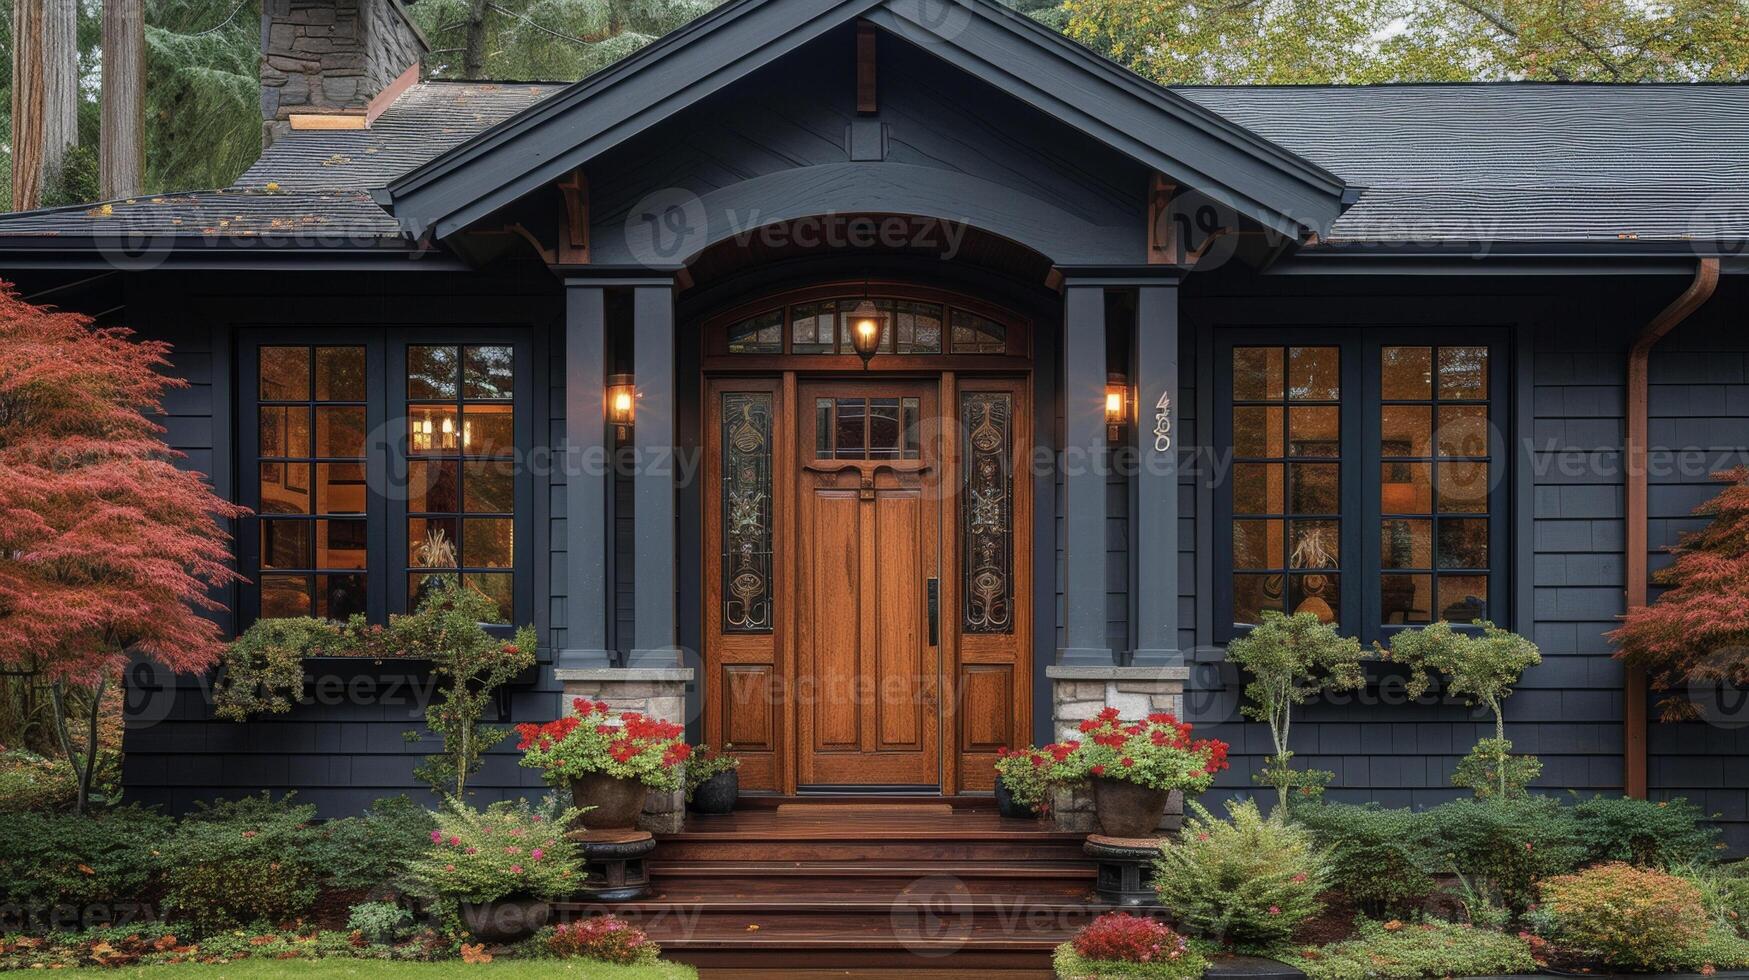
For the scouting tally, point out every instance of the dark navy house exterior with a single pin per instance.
(1367, 352)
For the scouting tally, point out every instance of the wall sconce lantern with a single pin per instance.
(1117, 405)
(622, 401)
(867, 324)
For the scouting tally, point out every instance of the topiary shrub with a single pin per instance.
(1638, 918)
(1118, 944)
(1668, 834)
(239, 863)
(1248, 881)
(1409, 951)
(1501, 848)
(1378, 858)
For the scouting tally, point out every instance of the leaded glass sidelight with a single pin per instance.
(988, 511)
(747, 602)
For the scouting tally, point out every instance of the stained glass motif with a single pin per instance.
(988, 512)
(747, 602)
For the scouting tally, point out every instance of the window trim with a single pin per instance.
(386, 459)
(1361, 564)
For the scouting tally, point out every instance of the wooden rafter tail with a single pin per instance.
(1163, 244)
(867, 89)
(574, 242)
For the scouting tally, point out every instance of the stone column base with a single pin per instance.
(656, 692)
(1079, 693)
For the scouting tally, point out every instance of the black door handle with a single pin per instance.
(935, 612)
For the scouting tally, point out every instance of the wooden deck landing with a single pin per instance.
(830, 888)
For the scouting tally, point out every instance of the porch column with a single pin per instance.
(586, 476)
(1083, 467)
(653, 510)
(1155, 519)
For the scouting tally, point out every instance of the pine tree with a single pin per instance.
(559, 40)
(1697, 631)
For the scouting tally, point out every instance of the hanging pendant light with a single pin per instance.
(867, 323)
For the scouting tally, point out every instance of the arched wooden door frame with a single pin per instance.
(751, 675)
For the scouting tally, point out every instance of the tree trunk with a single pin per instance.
(122, 151)
(29, 90)
(474, 50)
(60, 120)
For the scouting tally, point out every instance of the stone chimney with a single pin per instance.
(326, 60)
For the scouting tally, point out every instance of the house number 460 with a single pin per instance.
(1163, 423)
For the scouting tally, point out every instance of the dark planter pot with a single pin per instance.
(1005, 804)
(1128, 809)
(717, 794)
(616, 803)
(507, 920)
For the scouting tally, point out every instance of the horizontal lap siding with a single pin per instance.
(349, 745)
(1568, 710)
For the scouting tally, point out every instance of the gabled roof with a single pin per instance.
(1151, 125)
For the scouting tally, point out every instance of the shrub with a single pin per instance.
(1292, 660)
(1491, 771)
(1248, 881)
(604, 938)
(1398, 951)
(706, 762)
(1666, 835)
(1631, 917)
(373, 849)
(1722, 948)
(1501, 848)
(241, 862)
(1157, 753)
(32, 783)
(1378, 858)
(1119, 944)
(379, 922)
(62, 862)
(509, 849)
(1027, 774)
(631, 746)
(1481, 669)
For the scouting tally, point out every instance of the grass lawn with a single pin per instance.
(349, 969)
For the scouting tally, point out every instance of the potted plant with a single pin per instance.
(712, 780)
(610, 763)
(501, 866)
(1024, 779)
(1135, 766)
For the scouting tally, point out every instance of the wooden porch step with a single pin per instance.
(821, 835)
(978, 877)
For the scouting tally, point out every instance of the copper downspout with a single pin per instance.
(1634, 693)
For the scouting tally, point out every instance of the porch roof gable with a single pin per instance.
(1152, 125)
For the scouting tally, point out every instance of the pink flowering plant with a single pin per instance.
(1158, 752)
(592, 739)
(1119, 944)
(508, 850)
(603, 938)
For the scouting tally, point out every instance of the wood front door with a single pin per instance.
(868, 579)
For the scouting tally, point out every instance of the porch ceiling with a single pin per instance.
(1152, 125)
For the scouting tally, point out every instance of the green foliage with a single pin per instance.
(1291, 660)
(76, 182)
(1481, 669)
(1410, 951)
(1027, 774)
(1157, 752)
(240, 862)
(470, 665)
(1070, 965)
(632, 746)
(373, 849)
(1501, 848)
(262, 671)
(379, 922)
(1370, 41)
(547, 39)
(1639, 918)
(1378, 858)
(706, 762)
(1721, 948)
(1248, 881)
(67, 861)
(30, 782)
(508, 850)
(1491, 771)
(602, 939)
(1669, 834)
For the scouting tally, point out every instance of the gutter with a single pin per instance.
(1634, 550)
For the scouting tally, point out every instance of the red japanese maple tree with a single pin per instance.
(106, 546)
(1697, 632)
